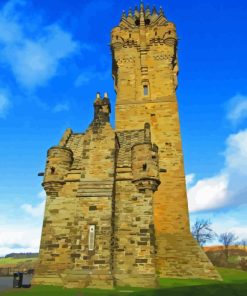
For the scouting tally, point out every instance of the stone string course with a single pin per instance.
(127, 183)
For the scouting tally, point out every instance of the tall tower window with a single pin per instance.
(145, 90)
(91, 237)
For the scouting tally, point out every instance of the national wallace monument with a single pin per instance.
(116, 208)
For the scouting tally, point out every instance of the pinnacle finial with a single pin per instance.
(154, 10)
(136, 12)
(142, 7)
(161, 12)
(123, 14)
(130, 12)
(105, 95)
(98, 95)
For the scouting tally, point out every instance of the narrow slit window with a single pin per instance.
(91, 237)
(145, 90)
(144, 167)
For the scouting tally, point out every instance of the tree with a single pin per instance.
(243, 243)
(227, 239)
(202, 231)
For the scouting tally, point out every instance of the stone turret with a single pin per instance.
(145, 165)
(59, 161)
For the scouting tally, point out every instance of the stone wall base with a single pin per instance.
(51, 280)
(139, 280)
(78, 279)
(180, 256)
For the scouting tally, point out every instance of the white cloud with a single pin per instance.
(229, 186)
(4, 103)
(61, 107)
(22, 232)
(34, 211)
(237, 109)
(236, 152)
(19, 238)
(33, 59)
(208, 193)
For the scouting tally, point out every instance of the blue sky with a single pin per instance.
(55, 56)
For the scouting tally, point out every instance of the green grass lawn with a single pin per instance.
(234, 284)
(14, 261)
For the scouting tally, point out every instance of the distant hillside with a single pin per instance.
(22, 255)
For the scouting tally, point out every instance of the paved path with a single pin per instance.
(6, 282)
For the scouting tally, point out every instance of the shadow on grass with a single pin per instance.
(204, 290)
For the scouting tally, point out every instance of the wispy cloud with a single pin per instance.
(34, 211)
(237, 109)
(190, 179)
(236, 153)
(38, 209)
(91, 74)
(61, 107)
(4, 103)
(32, 56)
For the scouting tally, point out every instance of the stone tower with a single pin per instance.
(116, 210)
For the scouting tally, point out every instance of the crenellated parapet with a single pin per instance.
(156, 26)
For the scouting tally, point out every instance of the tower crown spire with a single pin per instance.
(143, 16)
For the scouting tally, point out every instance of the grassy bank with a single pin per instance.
(234, 284)
(15, 261)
